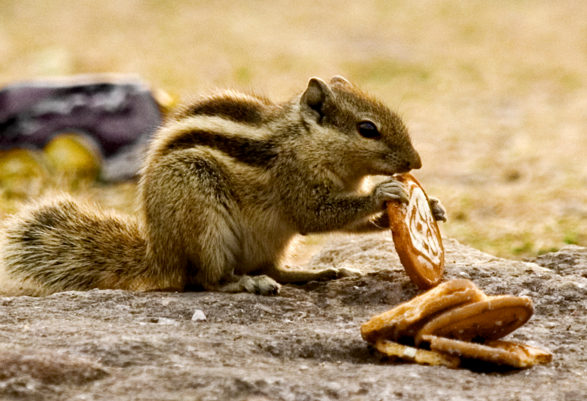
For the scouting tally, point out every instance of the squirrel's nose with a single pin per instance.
(413, 164)
(416, 163)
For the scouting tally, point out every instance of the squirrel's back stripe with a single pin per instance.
(230, 122)
(233, 106)
(255, 152)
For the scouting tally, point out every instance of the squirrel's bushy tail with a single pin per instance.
(61, 245)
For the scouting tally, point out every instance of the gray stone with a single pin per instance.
(198, 316)
(301, 345)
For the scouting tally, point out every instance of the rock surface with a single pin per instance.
(301, 345)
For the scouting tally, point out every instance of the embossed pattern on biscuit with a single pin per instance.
(416, 235)
(420, 221)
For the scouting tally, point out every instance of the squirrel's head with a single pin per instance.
(357, 129)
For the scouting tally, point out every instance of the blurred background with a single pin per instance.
(494, 93)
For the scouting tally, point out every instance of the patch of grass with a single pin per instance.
(571, 238)
(527, 247)
(243, 75)
(543, 251)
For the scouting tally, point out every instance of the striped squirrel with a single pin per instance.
(227, 184)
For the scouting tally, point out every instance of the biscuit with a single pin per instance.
(406, 319)
(416, 235)
(405, 353)
(486, 320)
(500, 352)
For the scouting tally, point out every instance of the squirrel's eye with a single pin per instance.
(368, 130)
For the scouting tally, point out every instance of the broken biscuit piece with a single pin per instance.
(499, 352)
(405, 353)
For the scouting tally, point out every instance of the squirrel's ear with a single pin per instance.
(340, 81)
(316, 97)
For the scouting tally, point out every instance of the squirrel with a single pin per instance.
(228, 182)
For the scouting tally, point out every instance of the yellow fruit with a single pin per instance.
(73, 155)
(166, 101)
(22, 171)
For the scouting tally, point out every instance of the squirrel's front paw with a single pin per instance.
(389, 190)
(438, 211)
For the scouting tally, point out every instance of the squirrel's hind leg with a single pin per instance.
(285, 276)
(218, 256)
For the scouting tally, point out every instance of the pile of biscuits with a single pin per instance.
(452, 321)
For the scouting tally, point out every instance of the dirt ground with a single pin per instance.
(301, 345)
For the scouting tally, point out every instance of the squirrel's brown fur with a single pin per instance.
(226, 185)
